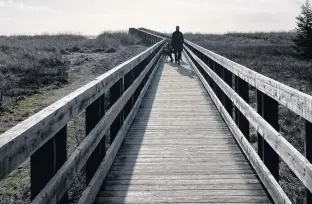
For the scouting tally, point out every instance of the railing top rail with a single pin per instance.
(293, 99)
(273, 93)
(297, 101)
(263, 127)
(22, 140)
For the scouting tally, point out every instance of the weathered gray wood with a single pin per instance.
(293, 99)
(178, 193)
(178, 159)
(189, 172)
(89, 194)
(115, 92)
(32, 133)
(146, 35)
(242, 89)
(272, 186)
(138, 158)
(170, 187)
(270, 114)
(308, 155)
(94, 114)
(61, 181)
(182, 198)
(260, 111)
(181, 182)
(48, 159)
(228, 78)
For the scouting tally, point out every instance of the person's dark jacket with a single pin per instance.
(177, 41)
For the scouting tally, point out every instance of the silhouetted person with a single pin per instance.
(177, 44)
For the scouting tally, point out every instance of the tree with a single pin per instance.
(303, 40)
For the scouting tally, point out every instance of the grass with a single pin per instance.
(270, 54)
(29, 67)
(28, 63)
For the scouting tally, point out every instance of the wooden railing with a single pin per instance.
(43, 137)
(217, 74)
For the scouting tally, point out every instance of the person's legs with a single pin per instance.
(179, 55)
(171, 59)
(176, 56)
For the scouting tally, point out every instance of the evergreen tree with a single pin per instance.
(303, 40)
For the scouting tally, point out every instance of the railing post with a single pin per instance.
(128, 80)
(308, 155)
(270, 114)
(115, 92)
(259, 110)
(94, 113)
(46, 161)
(207, 77)
(228, 78)
(214, 85)
(223, 96)
(210, 64)
(242, 90)
(218, 70)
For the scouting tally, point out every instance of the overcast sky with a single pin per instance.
(90, 17)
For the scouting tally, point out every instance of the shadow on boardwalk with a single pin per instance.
(183, 70)
(122, 171)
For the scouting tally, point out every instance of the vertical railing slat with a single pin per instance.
(270, 114)
(115, 93)
(259, 110)
(46, 161)
(94, 113)
(242, 89)
(308, 154)
(228, 78)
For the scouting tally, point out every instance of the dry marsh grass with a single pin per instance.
(271, 54)
(28, 63)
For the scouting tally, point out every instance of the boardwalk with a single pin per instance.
(179, 149)
(173, 134)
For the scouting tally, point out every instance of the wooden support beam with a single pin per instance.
(297, 101)
(272, 186)
(269, 112)
(94, 113)
(308, 155)
(242, 89)
(259, 110)
(34, 132)
(46, 161)
(228, 78)
(115, 92)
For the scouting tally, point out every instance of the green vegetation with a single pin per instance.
(271, 54)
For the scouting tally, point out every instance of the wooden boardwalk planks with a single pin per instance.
(179, 150)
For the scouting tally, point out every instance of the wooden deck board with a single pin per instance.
(179, 150)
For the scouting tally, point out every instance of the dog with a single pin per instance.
(167, 52)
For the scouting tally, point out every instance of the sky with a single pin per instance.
(90, 17)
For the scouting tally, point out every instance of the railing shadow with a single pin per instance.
(122, 170)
